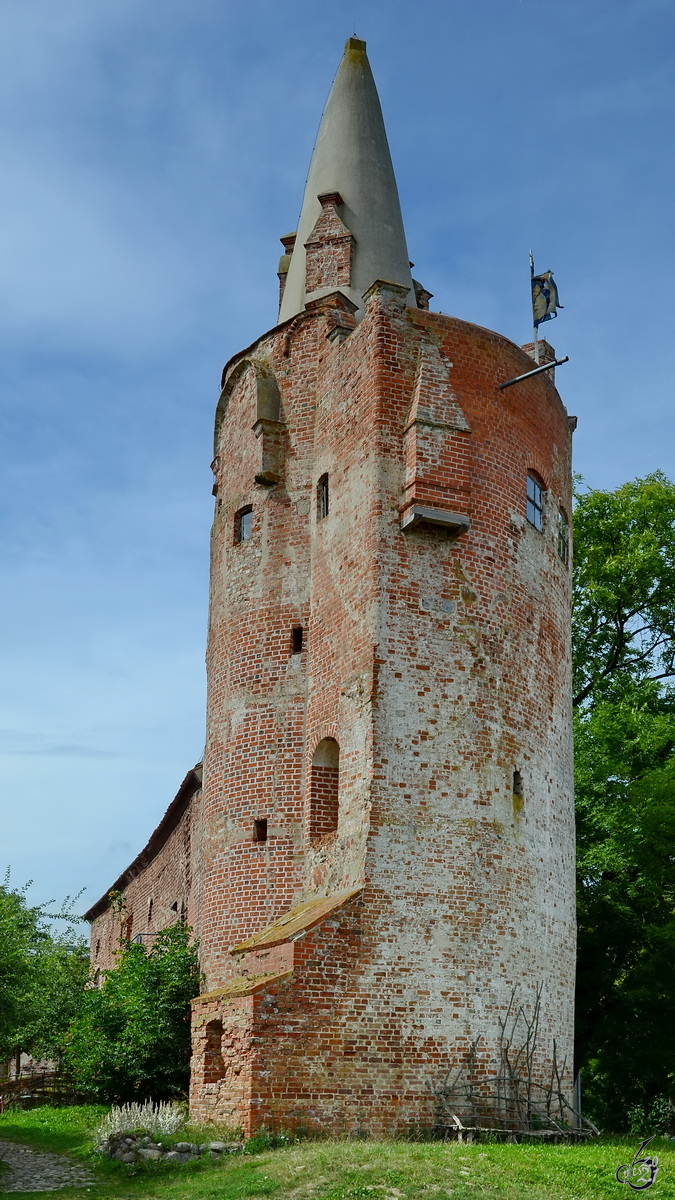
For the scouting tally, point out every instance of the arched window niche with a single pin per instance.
(324, 789)
(214, 1067)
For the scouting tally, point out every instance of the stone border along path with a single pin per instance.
(39, 1171)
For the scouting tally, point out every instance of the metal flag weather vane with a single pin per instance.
(545, 301)
(545, 305)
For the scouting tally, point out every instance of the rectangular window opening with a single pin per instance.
(243, 525)
(322, 498)
(517, 783)
(563, 539)
(260, 830)
(296, 639)
(535, 503)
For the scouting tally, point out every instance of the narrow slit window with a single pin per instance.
(322, 498)
(243, 525)
(296, 639)
(260, 830)
(517, 783)
(535, 503)
(563, 539)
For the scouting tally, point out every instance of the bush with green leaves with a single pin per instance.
(131, 1041)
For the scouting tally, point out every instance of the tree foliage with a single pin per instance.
(624, 585)
(42, 975)
(624, 653)
(625, 770)
(54, 995)
(20, 934)
(131, 1040)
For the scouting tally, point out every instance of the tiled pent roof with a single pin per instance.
(297, 920)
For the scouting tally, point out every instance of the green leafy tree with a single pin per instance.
(53, 995)
(21, 933)
(132, 1038)
(624, 587)
(625, 771)
(624, 655)
(42, 975)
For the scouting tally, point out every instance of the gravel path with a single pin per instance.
(37, 1171)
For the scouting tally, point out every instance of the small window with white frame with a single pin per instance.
(243, 525)
(535, 503)
(563, 538)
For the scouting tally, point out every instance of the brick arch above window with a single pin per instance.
(538, 476)
(328, 729)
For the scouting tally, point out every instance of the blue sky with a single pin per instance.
(153, 151)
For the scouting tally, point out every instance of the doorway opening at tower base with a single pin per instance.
(324, 789)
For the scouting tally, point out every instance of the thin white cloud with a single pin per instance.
(24, 744)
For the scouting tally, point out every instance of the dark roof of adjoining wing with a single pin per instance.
(173, 814)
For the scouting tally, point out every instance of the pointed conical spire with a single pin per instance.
(351, 166)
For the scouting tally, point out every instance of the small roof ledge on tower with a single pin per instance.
(451, 522)
(352, 162)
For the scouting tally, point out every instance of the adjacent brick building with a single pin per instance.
(158, 886)
(380, 856)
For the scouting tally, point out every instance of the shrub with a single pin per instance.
(162, 1117)
(131, 1041)
(652, 1118)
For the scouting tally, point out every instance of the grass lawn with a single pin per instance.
(346, 1170)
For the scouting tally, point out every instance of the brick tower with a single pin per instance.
(387, 839)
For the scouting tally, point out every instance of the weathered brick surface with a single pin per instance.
(324, 803)
(439, 666)
(329, 249)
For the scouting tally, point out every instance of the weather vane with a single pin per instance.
(545, 301)
(545, 305)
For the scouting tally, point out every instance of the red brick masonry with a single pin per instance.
(440, 666)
